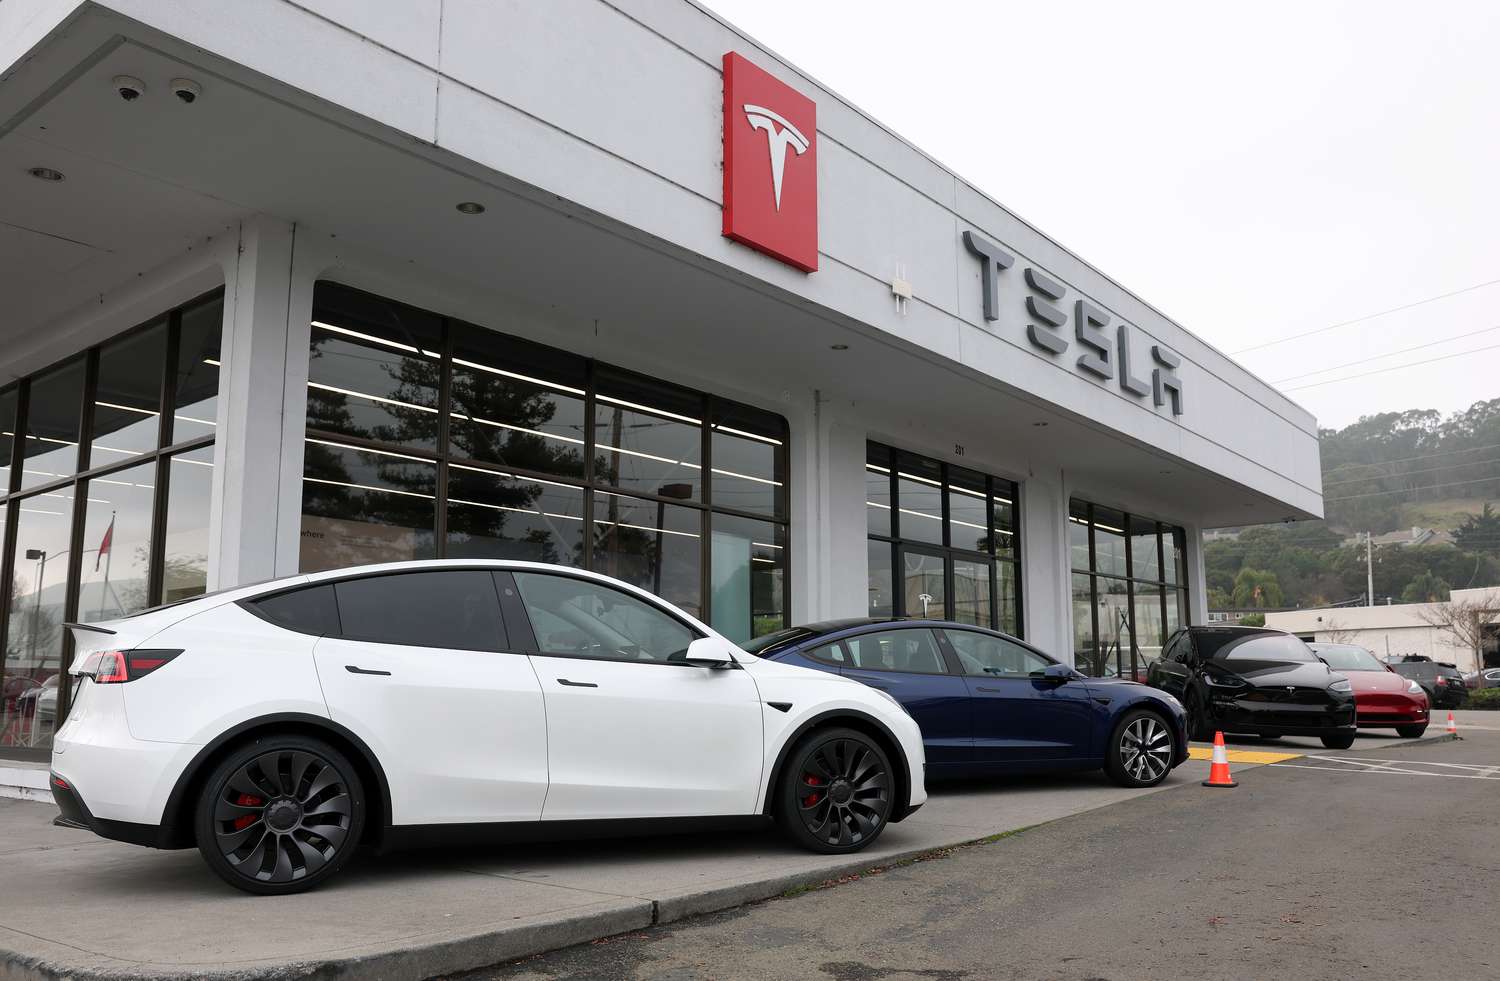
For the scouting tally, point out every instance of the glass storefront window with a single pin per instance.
(545, 456)
(882, 599)
(649, 439)
(127, 402)
(495, 515)
(747, 465)
(363, 506)
(143, 524)
(197, 383)
(185, 551)
(919, 489)
(971, 592)
(115, 561)
(516, 405)
(1109, 542)
(650, 544)
(1130, 601)
(374, 370)
(878, 492)
(50, 449)
(952, 534)
(37, 610)
(747, 575)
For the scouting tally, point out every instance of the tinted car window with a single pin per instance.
(1347, 657)
(310, 611)
(986, 656)
(454, 608)
(828, 653)
(772, 642)
(914, 649)
(1265, 647)
(588, 619)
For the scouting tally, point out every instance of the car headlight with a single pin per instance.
(1341, 685)
(1225, 681)
(1414, 689)
(890, 698)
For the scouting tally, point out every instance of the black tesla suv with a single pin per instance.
(1254, 680)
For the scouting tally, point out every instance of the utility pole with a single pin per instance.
(1369, 571)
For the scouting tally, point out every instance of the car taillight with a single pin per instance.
(1441, 680)
(118, 667)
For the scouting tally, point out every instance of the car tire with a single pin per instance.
(836, 791)
(1197, 722)
(280, 814)
(1411, 732)
(1342, 740)
(1141, 750)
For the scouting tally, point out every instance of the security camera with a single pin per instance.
(186, 89)
(129, 87)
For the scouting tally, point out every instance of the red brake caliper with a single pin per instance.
(815, 796)
(245, 820)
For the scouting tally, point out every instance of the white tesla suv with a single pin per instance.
(280, 726)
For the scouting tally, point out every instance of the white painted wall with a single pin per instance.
(1396, 629)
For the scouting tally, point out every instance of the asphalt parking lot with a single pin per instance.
(418, 914)
(1372, 863)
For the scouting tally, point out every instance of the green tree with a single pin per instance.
(1256, 588)
(1253, 620)
(1425, 588)
(1479, 532)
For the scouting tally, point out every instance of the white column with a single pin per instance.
(1046, 586)
(247, 492)
(1197, 590)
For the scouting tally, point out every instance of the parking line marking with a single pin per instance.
(1403, 773)
(1242, 755)
(1372, 759)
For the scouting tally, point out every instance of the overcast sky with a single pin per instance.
(1254, 171)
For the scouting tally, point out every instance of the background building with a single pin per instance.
(1402, 628)
(292, 286)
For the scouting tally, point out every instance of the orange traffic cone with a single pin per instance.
(1218, 773)
(1452, 726)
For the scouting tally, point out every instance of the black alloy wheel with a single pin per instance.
(836, 791)
(280, 815)
(1141, 750)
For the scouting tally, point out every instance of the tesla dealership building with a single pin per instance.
(289, 287)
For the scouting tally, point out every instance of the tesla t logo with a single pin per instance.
(777, 141)
(770, 165)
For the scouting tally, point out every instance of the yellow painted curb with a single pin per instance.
(1241, 755)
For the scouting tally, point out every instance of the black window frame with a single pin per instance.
(950, 553)
(712, 410)
(14, 495)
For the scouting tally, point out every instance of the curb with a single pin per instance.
(1446, 737)
(492, 947)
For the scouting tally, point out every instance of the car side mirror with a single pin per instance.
(1054, 674)
(708, 652)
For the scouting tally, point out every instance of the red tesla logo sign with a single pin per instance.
(770, 165)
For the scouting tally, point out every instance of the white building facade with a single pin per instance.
(294, 286)
(1402, 629)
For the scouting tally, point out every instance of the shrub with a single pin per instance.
(1484, 698)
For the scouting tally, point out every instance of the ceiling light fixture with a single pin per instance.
(1040, 425)
(45, 174)
(838, 347)
(470, 208)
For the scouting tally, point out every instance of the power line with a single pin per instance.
(1425, 456)
(1388, 354)
(1398, 367)
(1368, 316)
(1408, 473)
(1456, 483)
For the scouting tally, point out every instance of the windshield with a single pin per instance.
(1347, 657)
(772, 642)
(1266, 647)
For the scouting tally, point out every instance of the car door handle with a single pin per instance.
(356, 669)
(988, 689)
(872, 682)
(576, 684)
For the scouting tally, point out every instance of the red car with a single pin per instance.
(1383, 699)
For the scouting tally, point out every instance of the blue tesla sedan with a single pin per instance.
(989, 704)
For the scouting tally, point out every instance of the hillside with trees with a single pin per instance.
(1385, 472)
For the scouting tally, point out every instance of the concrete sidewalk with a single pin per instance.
(74, 905)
